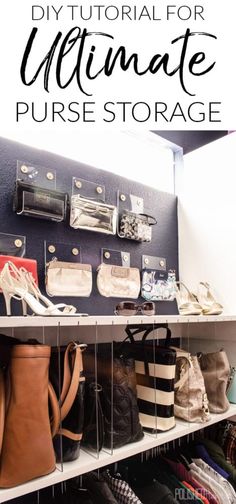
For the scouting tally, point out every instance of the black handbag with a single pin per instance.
(39, 202)
(119, 398)
(155, 374)
(67, 378)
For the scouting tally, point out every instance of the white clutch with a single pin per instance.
(68, 279)
(118, 281)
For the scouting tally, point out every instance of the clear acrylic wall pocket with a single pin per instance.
(89, 211)
(134, 223)
(36, 195)
(12, 245)
(158, 283)
(65, 274)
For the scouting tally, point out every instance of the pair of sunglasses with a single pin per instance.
(131, 308)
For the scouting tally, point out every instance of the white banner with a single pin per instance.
(153, 65)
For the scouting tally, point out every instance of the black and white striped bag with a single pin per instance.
(155, 374)
(121, 490)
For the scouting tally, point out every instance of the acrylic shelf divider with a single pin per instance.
(87, 462)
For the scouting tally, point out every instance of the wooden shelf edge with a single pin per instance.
(88, 462)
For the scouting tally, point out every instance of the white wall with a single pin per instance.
(140, 156)
(206, 186)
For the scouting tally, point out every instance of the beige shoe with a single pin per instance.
(207, 301)
(186, 301)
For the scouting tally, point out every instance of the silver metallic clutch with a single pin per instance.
(92, 215)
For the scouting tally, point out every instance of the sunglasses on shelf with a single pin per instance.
(131, 308)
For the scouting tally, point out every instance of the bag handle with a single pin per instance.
(71, 380)
(179, 384)
(133, 330)
(55, 417)
(151, 220)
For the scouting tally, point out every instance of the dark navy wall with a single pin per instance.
(160, 204)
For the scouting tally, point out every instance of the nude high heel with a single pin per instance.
(207, 301)
(14, 284)
(186, 301)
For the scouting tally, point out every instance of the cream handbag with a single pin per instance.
(191, 402)
(118, 281)
(68, 279)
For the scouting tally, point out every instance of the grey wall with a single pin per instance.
(162, 205)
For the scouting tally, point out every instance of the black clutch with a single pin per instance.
(39, 202)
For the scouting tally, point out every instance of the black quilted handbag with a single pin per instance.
(119, 399)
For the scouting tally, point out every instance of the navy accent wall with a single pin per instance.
(162, 205)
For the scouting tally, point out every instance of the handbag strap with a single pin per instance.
(133, 330)
(71, 379)
(151, 220)
(179, 384)
(55, 416)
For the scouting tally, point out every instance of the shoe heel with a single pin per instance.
(24, 308)
(7, 298)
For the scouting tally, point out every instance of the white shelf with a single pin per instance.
(109, 320)
(87, 462)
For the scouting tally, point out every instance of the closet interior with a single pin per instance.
(108, 260)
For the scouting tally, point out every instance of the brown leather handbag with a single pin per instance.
(216, 371)
(25, 434)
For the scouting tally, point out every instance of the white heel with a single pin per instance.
(24, 308)
(207, 301)
(7, 298)
(15, 285)
(186, 301)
